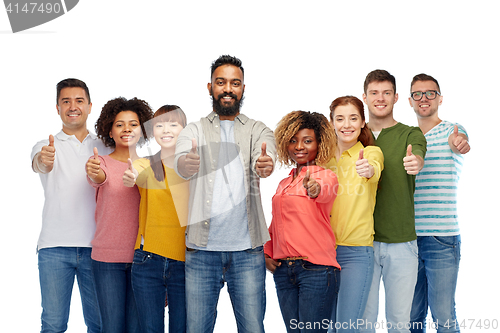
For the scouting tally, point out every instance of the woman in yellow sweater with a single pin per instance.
(158, 266)
(358, 165)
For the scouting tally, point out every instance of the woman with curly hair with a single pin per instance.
(117, 211)
(301, 252)
(158, 266)
(358, 164)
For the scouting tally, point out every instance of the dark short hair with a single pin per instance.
(226, 60)
(71, 83)
(379, 75)
(424, 77)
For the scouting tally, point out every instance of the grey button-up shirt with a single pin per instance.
(249, 136)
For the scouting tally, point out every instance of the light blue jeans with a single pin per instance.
(355, 281)
(396, 264)
(243, 271)
(439, 258)
(57, 267)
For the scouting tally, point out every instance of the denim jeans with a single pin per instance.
(243, 271)
(307, 294)
(397, 263)
(113, 285)
(439, 258)
(355, 281)
(155, 278)
(57, 267)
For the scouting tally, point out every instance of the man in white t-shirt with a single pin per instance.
(436, 223)
(68, 224)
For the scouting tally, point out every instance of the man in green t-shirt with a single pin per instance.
(395, 245)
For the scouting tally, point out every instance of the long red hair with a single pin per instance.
(365, 137)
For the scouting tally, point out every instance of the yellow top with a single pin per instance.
(163, 212)
(351, 217)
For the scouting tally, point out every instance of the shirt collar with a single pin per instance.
(63, 136)
(354, 150)
(241, 117)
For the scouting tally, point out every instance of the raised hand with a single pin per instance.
(411, 162)
(312, 187)
(192, 160)
(130, 175)
(93, 167)
(264, 166)
(48, 154)
(459, 142)
(363, 168)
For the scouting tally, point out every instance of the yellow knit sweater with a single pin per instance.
(163, 212)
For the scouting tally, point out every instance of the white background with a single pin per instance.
(296, 56)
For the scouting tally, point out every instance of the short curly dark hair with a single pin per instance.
(298, 120)
(115, 106)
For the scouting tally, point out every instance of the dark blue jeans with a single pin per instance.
(307, 294)
(116, 299)
(155, 277)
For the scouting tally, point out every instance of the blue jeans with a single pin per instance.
(113, 286)
(439, 258)
(307, 294)
(397, 263)
(243, 271)
(57, 267)
(355, 281)
(155, 278)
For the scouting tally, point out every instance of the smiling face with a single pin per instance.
(74, 108)
(380, 99)
(425, 107)
(347, 123)
(126, 129)
(303, 147)
(226, 89)
(166, 133)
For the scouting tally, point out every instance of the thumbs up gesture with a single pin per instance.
(130, 175)
(93, 168)
(458, 142)
(48, 154)
(412, 163)
(363, 168)
(264, 166)
(312, 187)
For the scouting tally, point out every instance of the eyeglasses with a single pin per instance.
(430, 94)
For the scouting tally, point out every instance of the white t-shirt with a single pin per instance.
(68, 212)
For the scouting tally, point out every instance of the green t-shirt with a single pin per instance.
(394, 214)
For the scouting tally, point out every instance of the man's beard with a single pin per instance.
(222, 110)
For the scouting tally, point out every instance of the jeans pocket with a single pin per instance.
(257, 250)
(413, 247)
(141, 257)
(448, 241)
(309, 266)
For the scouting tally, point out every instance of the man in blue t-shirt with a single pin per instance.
(436, 222)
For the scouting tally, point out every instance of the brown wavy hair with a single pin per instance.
(298, 120)
(167, 113)
(365, 137)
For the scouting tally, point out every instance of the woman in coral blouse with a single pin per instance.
(358, 165)
(120, 126)
(158, 266)
(301, 252)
